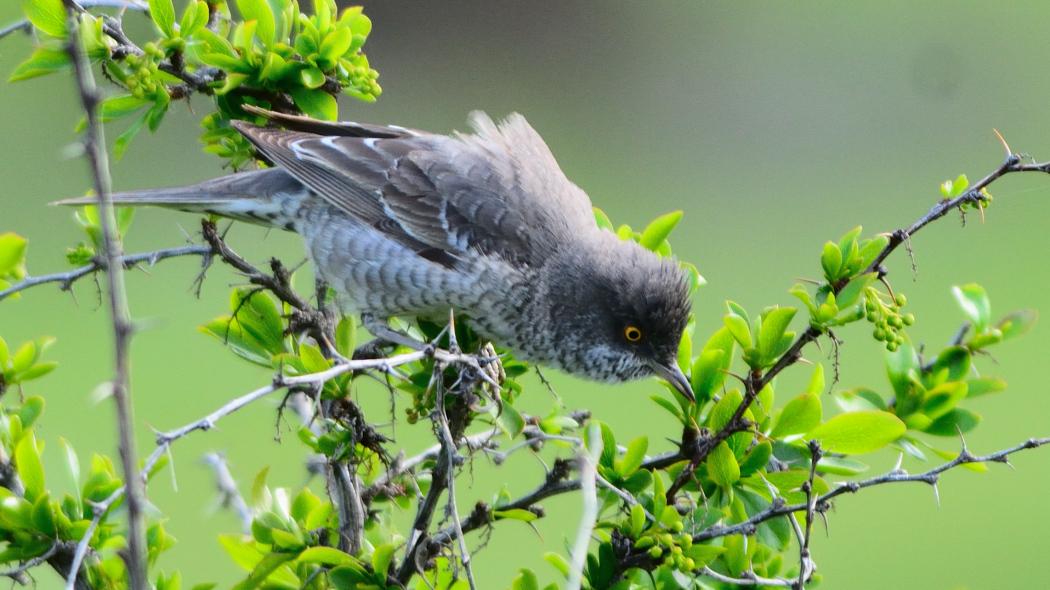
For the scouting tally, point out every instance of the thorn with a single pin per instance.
(1005, 146)
(900, 460)
(962, 439)
(936, 494)
(453, 344)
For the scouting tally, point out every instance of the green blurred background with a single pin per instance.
(774, 125)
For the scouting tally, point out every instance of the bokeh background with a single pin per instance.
(774, 125)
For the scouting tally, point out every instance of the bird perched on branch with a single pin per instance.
(407, 223)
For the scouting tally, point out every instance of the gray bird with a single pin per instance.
(408, 223)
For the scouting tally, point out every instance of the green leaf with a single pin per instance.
(943, 398)
(841, 466)
(850, 294)
(869, 251)
(312, 77)
(709, 370)
(266, 566)
(346, 336)
(634, 456)
(960, 418)
(899, 366)
(800, 415)
(229, 332)
(722, 465)
(954, 362)
(724, 410)
(262, 500)
(30, 469)
(12, 252)
(848, 244)
(974, 303)
(526, 580)
(816, 380)
(774, 326)
(831, 261)
(558, 562)
(335, 44)
(757, 458)
(608, 456)
(120, 145)
(313, 360)
(72, 461)
(193, 19)
(381, 558)
(260, 12)
(656, 232)
(739, 328)
(511, 421)
(1012, 325)
(47, 15)
(31, 410)
(603, 220)
(213, 46)
(315, 103)
(514, 514)
(163, 13)
(669, 406)
(858, 399)
(984, 385)
(858, 432)
(43, 61)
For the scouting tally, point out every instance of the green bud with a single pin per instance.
(677, 526)
(656, 552)
(908, 319)
(900, 300)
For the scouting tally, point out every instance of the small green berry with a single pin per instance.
(908, 319)
(656, 552)
(900, 300)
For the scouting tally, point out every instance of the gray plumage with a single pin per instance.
(407, 223)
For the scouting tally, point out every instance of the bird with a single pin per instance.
(407, 223)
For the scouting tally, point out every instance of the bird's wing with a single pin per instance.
(498, 191)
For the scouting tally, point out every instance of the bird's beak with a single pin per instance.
(673, 375)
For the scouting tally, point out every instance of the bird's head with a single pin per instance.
(618, 312)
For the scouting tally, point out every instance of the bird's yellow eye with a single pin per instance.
(632, 334)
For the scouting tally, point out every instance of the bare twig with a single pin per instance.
(16, 572)
(749, 580)
(66, 279)
(930, 477)
(588, 459)
(805, 568)
(95, 149)
(229, 496)
(449, 445)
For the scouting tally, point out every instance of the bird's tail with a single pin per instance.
(263, 197)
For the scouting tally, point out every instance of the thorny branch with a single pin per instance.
(95, 150)
(65, 280)
(756, 380)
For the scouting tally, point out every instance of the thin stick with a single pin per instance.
(95, 149)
